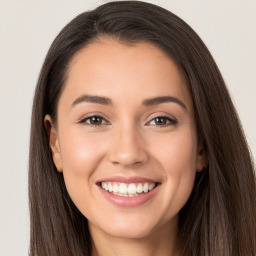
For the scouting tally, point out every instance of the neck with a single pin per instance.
(162, 242)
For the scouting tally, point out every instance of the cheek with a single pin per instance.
(81, 155)
(177, 152)
(78, 155)
(177, 157)
(80, 151)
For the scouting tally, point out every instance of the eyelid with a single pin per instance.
(91, 114)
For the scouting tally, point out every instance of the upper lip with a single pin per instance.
(124, 179)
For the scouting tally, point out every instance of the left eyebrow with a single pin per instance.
(163, 99)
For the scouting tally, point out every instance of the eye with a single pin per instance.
(163, 121)
(94, 121)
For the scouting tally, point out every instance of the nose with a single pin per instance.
(127, 147)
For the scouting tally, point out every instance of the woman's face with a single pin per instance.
(126, 124)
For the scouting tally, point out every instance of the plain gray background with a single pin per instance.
(27, 29)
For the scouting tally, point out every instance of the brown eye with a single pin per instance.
(163, 121)
(94, 121)
(160, 120)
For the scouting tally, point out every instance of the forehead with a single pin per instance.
(112, 69)
(113, 52)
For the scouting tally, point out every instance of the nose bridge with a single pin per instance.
(127, 148)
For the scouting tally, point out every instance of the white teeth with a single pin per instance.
(151, 186)
(132, 189)
(145, 188)
(122, 188)
(139, 188)
(115, 188)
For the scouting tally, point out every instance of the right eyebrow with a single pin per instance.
(92, 99)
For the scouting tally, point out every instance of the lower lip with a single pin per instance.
(129, 201)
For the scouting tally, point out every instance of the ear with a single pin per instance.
(202, 159)
(53, 142)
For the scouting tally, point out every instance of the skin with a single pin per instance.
(128, 141)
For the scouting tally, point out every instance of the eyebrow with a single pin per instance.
(163, 99)
(147, 102)
(92, 99)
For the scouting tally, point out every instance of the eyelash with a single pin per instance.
(83, 121)
(172, 121)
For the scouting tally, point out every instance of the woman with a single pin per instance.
(136, 147)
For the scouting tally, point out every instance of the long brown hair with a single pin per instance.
(219, 219)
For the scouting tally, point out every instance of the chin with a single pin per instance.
(129, 227)
(129, 232)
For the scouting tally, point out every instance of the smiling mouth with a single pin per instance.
(128, 190)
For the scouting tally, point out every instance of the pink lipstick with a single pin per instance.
(128, 191)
